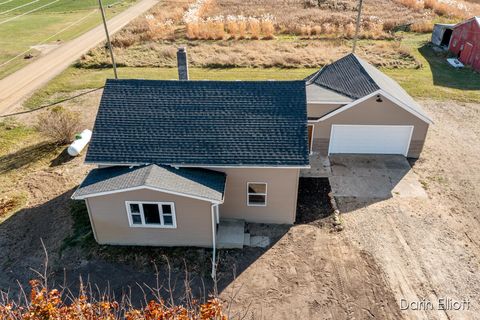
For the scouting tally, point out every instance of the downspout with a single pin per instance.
(214, 242)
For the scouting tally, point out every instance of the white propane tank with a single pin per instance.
(77, 146)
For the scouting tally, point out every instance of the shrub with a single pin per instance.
(267, 27)
(422, 27)
(317, 30)
(412, 4)
(232, 26)
(242, 28)
(49, 304)
(254, 28)
(59, 124)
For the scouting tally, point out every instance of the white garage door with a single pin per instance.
(374, 139)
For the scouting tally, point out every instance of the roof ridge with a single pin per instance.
(360, 62)
(148, 173)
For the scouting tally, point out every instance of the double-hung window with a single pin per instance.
(257, 194)
(151, 214)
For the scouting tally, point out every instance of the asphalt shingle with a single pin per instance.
(353, 77)
(345, 76)
(204, 123)
(193, 182)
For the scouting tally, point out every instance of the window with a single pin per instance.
(256, 194)
(151, 214)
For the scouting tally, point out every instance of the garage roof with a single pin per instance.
(190, 182)
(201, 123)
(355, 78)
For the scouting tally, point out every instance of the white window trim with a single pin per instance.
(142, 216)
(260, 194)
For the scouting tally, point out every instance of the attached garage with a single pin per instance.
(370, 139)
(373, 115)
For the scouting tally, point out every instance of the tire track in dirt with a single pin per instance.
(417, 267)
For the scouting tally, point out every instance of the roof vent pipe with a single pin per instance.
(182, 63)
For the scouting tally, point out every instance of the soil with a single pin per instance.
(430, 248)
(393, 249)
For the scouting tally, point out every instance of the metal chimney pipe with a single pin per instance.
(182, 63)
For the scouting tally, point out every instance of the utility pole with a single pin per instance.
(108, 38)
(357, 29)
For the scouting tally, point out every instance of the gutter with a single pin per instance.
(214, 243)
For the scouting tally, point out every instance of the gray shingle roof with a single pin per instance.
(208, 123)
(345, 76)
(355, 78)
(194, 182)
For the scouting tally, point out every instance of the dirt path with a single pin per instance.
(428, 248)
(313, 274)
(17, 86)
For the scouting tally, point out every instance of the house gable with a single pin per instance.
(383, 95)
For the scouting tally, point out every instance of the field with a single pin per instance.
(30, 28)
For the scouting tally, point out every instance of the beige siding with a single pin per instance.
(317, 110)
(371, 112)
(109, 218)
(282, 189)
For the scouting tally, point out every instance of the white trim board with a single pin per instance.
(145, 188)
(199, 165)
(162, 224)
(261, 194)
(378, 92)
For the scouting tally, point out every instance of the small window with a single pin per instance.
(151, 214)
(135, 213)
(256, 194)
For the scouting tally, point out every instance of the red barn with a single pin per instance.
(465, 42)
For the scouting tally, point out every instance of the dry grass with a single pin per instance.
(160, 23)
(265, 19)
(254, 53)
(412, 4)
(454, 9)
(330, 18)
(422, 26)
(446, 8)
(217, 28)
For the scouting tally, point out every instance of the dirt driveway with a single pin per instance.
(428, 247)
(312, 272)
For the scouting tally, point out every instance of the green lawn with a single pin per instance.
(435, 80)
(20, 34)
(74, 78)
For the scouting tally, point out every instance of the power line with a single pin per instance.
(23, 5)
(28, 12)
(44, 41)
(5, 2)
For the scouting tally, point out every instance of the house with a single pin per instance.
(355, 108)
(441, 34)
(465, 42)
(176, 157)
